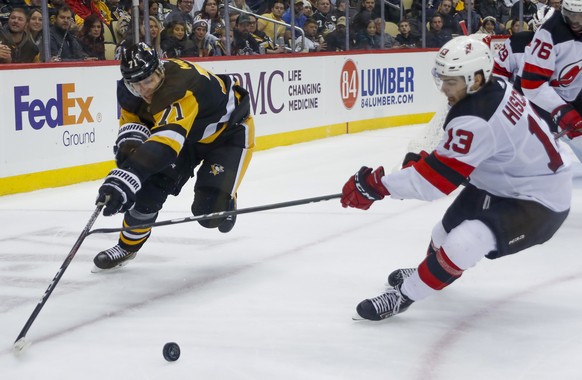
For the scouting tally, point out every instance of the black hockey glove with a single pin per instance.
(411, 158)
(118, 191)
(130, 137)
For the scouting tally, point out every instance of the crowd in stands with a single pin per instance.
(196, 28)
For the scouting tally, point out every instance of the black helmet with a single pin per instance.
(138, 62)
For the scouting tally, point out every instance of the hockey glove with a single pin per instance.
(130, 137)
(118, 191)
(567, 118)
(411, 158)
(363, 188)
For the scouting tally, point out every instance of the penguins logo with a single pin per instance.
(216, 169)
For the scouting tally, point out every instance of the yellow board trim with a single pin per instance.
(54, 178)
(69, 176)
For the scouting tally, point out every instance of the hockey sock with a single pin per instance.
(133, 240)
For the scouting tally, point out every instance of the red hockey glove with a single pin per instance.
(363, 188)
(567, 118)
(411, 158)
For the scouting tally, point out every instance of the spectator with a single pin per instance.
(91, 37)
(241, 4)
(274, 31)
(175, 43)
(210, 14)
(468, 15)
(324, 17)
(389, 41)
(16, 46)
(362, 18)
(34, 26)
(313, 42)
(204, 43)
(155, 38)
(183, 14)
(489, 26)
(220, 47)
(299, 18)
(515, 26)
(490, 8)
(529, 9)
(307, 9)
(368, 39)
(336, 40)
(556, 4)
(340, 10)
(405, 37)
(266, 45)
(445, 10)
(156, 10)
(244, 43)
(437, 37)
(64, 45)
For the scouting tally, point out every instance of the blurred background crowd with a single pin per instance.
(71, 30)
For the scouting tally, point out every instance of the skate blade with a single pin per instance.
(96, 269)
(357, 317)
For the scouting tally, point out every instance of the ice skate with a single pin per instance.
(230, 220)
(112, 258)
(397, 277)
(384, 306)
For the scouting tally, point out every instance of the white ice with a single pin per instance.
(274, 298)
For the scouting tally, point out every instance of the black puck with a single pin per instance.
(171, 351)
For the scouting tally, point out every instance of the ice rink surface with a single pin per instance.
(273, 299)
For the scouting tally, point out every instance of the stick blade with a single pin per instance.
(20, 346)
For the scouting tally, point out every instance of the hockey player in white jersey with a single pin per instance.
(552, 63)
(517, 183)
(509, 60)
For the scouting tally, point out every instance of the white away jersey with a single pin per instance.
(552, 64)
(508, 61)
(496, 141)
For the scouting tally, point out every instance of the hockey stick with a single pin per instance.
(216, 215)
(20, 343)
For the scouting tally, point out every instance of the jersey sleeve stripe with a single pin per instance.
(458, 167)
(170, 138)
(438, 174)
(501, 71)
(534, 76)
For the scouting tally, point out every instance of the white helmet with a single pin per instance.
(572, 5)
(572, 14)
(541, 16)
(463, 56)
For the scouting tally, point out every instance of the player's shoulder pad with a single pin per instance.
(557, 28)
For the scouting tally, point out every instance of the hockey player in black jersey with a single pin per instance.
(517, 183)
(175, 115)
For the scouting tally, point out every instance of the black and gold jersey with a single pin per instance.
(191, 106)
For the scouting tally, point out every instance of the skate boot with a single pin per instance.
(384, 306)
(230, 220)
(111, 258)
(397, 277)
